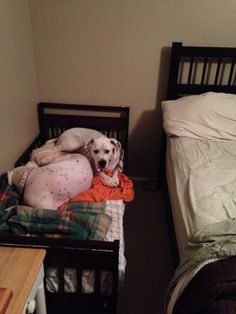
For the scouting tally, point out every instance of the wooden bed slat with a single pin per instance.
(217, 71)
(204, 70)
(190, 71)
(231, 72)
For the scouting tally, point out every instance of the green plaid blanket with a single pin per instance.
(83, 220)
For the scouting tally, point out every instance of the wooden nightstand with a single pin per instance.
(21, 271)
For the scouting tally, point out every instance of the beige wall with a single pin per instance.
(101, 52)
(18, 90)
(112, 52)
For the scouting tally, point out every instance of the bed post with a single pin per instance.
(171, 94)
(174, 70)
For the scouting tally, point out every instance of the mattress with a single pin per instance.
(115, 209)
(201, 177)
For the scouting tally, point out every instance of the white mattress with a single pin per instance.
(115, 209)
(202, 184)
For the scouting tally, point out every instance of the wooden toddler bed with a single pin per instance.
(199, 119)
(81, 275)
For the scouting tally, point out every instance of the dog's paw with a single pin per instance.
(111, 181)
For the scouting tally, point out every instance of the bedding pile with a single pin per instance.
(99, 191)
(201, 173)
(94, 213)
(83, 220)
(80, 219)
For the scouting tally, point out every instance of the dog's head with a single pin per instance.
(106, 152)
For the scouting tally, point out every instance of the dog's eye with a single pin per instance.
(106, 151)
(96, 151)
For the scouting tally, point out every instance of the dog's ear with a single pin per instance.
(116, 143)
(87, 145)
(121, 161)
(118, 154)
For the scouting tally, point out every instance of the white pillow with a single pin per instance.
(72, 139)
(210, 115)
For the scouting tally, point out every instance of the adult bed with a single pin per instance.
(199, 119)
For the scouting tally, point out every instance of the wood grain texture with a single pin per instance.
(19, 268)
(5, 298)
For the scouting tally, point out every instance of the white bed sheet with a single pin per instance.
(115, 209)
(202, 184)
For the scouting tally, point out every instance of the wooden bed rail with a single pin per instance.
(55, 118)
(106, 119)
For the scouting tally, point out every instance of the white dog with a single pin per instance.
(59, 170)
(101, 151)
(50, 185)
(106, 154)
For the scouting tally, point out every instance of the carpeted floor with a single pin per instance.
(147, 251)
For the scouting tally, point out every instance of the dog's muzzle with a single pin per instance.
(102, 163)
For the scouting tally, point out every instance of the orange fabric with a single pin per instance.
(100, 192)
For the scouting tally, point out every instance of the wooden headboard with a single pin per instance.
(54, 118)
(195, 70)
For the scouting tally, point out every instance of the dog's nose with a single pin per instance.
(102, 163)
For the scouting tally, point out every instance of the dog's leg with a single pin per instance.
(110, 181)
